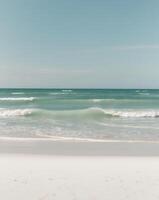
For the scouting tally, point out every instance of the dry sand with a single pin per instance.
(52, 174)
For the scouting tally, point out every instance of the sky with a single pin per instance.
(79, 43)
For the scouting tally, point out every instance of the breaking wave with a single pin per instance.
(93, 112)
(99, 112)
(130, 113)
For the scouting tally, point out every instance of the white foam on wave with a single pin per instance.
(124, 113)
(15, 113)
(115, 100)
(144, 93)
(107, 100)
(17, 98)
(66, 90)
(57, 93)
(132, 113)
(53, 93)
(97, 100)
(17, 93)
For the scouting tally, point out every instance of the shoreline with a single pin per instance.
(74, 139)
(78, 148)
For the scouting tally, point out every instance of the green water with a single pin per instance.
(80, 113)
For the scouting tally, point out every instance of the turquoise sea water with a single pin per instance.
(99, 114)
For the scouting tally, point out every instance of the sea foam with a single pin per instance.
(17, 98)
(14, 113)
(132, 114)
(121, 113)
(16, 93)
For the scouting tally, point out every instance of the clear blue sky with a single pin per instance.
(79, 43)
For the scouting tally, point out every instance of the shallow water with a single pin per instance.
(80, 113)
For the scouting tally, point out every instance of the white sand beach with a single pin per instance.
(79, 100)
(41, 170)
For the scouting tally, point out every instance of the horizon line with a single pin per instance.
(63, 88)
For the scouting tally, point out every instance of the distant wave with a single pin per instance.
(57, 93)
(17, 93)
(97, 100)
(15, 112)
(61, 92)
(144, 93)
(17, 99)
(66, 90)
(108, 100)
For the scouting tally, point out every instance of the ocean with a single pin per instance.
(80, 114)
